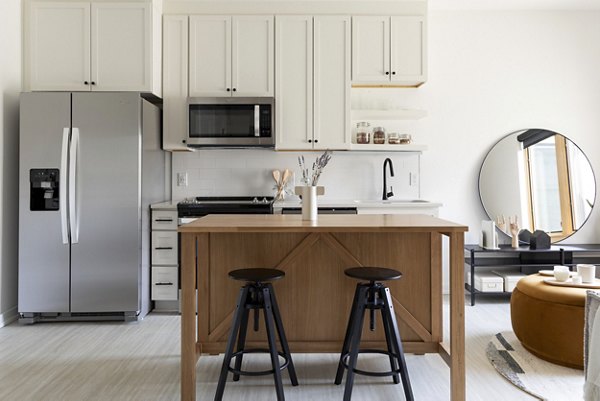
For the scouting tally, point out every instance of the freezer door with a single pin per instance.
(43, 234)
(106, 223)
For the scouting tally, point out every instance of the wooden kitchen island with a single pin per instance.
(315, 296)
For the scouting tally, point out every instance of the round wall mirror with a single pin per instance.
(541, 177)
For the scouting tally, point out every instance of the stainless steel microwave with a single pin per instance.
(231, 122)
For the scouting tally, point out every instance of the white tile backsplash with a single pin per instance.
(349, 175)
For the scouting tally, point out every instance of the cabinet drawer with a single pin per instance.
(165, 284)
(164, 220)
(164, 247)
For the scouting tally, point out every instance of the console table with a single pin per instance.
(527, 261)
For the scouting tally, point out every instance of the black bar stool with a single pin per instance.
(373, 295)
(257, 294)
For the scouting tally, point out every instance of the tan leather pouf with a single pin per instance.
(548, 320)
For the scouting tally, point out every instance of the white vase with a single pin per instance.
(309, 200)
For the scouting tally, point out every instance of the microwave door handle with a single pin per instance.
(256, 120)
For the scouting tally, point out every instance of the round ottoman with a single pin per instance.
(548, 320)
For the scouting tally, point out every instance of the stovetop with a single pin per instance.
(201, 205)
(227, 200)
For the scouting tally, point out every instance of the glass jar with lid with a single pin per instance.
(379, 135)
(363, 132)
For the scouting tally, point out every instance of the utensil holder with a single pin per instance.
(309, 200)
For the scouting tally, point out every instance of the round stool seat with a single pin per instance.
(256, 275)
(548, 320)
(373, 273)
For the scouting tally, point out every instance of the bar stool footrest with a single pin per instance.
(261, 372)
(368, 373)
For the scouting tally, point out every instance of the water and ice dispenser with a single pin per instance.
(43, 189)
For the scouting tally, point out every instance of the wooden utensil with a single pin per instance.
(276, 176)
(286, 176)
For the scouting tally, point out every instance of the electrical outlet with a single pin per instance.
(182, 179)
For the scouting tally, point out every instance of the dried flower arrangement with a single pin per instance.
(317, 168)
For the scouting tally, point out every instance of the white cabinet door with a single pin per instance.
(121, 47)
(294, 72)
(331, 82)
(175, 81)
(371, 49)
(252, 56)
(58, 46)
(210, 56)
(408, 50)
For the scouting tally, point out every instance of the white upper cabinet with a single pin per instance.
(294, 72)
(175, 82)
(231, 56)
(58, 47)
(121, 46)
(389, 50)
(210, 55)
(84, 46)
(331, 82)
(312, 67)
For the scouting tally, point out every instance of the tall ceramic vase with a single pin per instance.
(309, 200)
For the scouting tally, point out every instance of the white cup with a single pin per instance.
(587, 273)
(561, 273)
(576, 279)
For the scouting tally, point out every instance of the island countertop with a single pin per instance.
(325, 223)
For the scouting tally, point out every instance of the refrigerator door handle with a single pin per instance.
(73, 186)
(64, 226)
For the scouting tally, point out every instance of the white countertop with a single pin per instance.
(168, 205)
(388, 204)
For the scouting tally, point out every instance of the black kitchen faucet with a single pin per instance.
(387, 194)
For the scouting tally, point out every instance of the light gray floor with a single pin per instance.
(140, 361)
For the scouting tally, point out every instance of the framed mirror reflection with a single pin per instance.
(543, 178)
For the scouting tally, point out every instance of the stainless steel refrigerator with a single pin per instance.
(90, 165)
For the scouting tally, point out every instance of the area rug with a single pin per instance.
(540, 379)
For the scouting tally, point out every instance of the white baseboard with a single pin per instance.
(8, 317)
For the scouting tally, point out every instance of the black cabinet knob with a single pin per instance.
(387, 73)
(234, 89)
(310, 141)
(86, 83)
(316, 140)
(393, 72)
(228, 89)
(93, 83)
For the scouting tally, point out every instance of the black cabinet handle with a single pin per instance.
(310, 141)
(163, 283)
(316, 140)
(387, 73)
(86, 83)
(393, 72)
(93, 83)
(228, 90)
(163, 248)
(234, 89)
(164, 220)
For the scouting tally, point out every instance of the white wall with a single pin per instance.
(10, 86)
